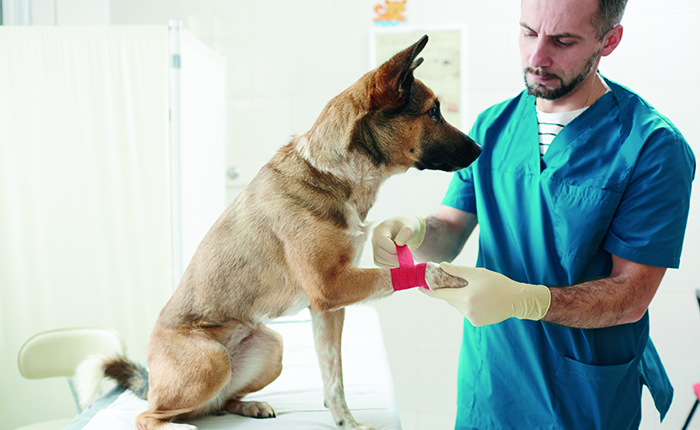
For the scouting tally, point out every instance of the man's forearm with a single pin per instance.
(443, 242)
(621, 298)
(593, 304)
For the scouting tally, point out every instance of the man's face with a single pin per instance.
(558, 45)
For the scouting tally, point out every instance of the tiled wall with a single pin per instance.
(287, 59)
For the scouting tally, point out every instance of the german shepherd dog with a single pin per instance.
(287, 242)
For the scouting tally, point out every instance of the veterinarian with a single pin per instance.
(575, 234)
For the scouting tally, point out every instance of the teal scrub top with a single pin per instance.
(615, 180)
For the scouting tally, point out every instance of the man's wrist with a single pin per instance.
(535, 302)
(419, 236)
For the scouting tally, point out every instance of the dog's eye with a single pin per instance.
(434, 113)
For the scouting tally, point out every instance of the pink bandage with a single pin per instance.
(407, 275)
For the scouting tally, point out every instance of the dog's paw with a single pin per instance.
(251, 409)
(437, 278)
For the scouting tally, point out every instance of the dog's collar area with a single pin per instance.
(407, 275)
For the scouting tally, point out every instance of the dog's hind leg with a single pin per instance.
(328, 328)
(188, 368)
(255, 363)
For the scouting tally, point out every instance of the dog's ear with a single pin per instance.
(393, 79)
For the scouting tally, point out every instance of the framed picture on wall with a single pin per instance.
(444, 66)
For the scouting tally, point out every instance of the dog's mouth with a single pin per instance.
(449, 161)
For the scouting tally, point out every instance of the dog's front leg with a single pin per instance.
(328, 329)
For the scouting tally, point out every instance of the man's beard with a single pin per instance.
(564, 89)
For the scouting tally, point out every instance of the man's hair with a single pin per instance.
(609, 15)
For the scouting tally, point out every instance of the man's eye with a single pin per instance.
(561, 42)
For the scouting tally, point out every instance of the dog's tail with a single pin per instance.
(125, 372)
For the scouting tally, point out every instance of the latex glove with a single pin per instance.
(400, 230)
(490, 297)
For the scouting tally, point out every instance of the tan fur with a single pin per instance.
(289, 241)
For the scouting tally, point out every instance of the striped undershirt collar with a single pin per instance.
(550, 124)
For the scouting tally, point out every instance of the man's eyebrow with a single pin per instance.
(554, 36)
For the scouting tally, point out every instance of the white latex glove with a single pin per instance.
(400, 230)
(490, 297)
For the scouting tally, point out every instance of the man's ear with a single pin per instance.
(393, 79)
(612, 40)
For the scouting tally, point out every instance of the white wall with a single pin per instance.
(285, 60)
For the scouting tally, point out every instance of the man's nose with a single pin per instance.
(541, 56)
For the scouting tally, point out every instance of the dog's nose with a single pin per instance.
(475, 147)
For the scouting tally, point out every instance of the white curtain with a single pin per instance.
(85, 209)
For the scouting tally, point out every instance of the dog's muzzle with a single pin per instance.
(450, 159)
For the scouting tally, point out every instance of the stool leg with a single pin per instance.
(690, 415)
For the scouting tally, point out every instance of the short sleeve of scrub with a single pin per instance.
(460, 193)
(650, 221)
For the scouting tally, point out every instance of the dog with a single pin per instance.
(287, 242)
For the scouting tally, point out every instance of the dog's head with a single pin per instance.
(402, 126)
(388, 120)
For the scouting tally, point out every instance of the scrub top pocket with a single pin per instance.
(588, 395)
(582, 216)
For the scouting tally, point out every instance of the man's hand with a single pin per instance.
(490, 297)
(401, 230)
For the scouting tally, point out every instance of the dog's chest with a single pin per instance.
(357, 230)
(301, 302)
